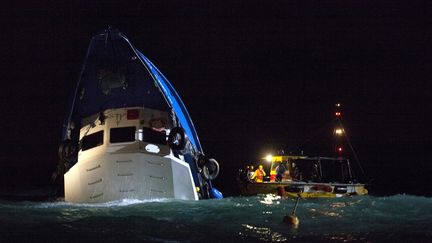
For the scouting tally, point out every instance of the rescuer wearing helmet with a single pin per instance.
(259, 174)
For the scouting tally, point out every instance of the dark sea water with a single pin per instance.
(399, 218)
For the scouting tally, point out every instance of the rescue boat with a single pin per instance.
(127, 134)
(303, 176)
(306, 177)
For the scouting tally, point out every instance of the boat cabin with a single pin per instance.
(131, 129)
(124, 153)
(309, 169)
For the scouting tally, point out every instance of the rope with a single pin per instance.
(352, 149)
(296, 204)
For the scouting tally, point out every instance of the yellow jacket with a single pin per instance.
(258, 175)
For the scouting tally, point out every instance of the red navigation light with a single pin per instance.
(133, 114)
(337, 113)
(339, 149)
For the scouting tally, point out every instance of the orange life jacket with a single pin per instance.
(259, 175)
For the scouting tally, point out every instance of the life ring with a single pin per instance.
(210, 170)
(68, 151)
(157, 124)
(176, 138)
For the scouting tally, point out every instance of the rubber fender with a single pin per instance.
(215, 193)
(210, 170)
(176, 139)
(68, 151)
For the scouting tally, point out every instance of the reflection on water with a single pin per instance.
(271, 199)
(261, 233)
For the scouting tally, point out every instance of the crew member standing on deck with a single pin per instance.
(250, 172)
(259, 174)
(280, 171)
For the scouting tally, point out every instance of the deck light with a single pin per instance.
(269, 158)
(338, 131)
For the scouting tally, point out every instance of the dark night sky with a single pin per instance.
(254, 75)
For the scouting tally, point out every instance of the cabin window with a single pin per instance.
(92, 140)
(149, 135)
(122, 134)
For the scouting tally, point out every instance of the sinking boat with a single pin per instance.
(128, 134)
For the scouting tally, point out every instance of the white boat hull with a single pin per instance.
(140, 176)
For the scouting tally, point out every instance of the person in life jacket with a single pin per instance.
(259, 174)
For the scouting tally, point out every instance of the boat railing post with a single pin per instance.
(349, 169)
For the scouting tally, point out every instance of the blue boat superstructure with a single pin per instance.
(119, 89)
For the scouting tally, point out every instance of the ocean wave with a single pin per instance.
(256, 218)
